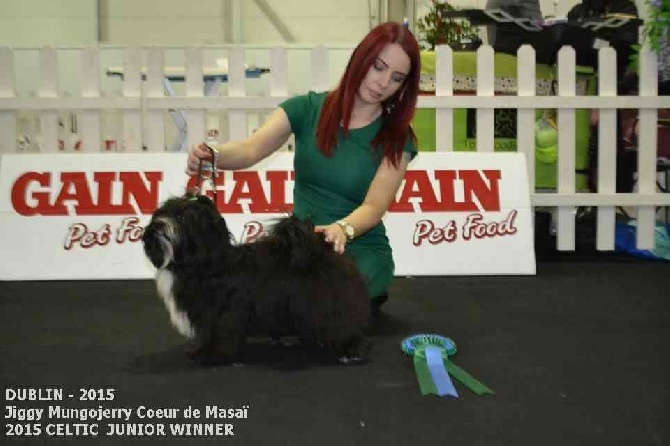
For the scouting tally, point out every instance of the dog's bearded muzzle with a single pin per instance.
(159, 239)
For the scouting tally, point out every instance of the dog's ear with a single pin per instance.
(191, 193)
(155, 246)
(204, 199)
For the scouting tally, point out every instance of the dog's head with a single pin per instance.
(185, 230)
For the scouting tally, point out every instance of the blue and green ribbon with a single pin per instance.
(432, 366)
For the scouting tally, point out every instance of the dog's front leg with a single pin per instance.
(354, 350)
(198, 349)
(219, 342)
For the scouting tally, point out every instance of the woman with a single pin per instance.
(353, 146)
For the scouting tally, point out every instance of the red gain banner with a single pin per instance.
(68, 199)
(88, 193)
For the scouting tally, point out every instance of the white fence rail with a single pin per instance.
(144, 106)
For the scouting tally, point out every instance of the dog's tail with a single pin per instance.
(299, 240)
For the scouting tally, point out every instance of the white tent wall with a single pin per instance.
(178, 22)
(54, 70)
(48, 22)
(28, 25)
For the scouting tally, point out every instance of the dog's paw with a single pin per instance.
(210, 359)
(207, 356)
(289, 341)
(347, 360)
(357, 354)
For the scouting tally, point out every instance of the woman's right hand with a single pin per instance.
(198, 153)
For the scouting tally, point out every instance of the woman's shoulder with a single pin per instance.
(303, 110)
(316, 98)
(311, 100)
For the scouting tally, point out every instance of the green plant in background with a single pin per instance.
(655, 32)
(435, 30)
(656, 26)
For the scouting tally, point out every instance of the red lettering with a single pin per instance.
(20, 191)
(278, 179)
(474, 186)
(74, 190)
(105, 182)
(474, 192)
(247, 189)
(123, 193)
(418, 188)
(477, 191)
(145, 196)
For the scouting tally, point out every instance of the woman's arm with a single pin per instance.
(378, 199)
(236, 155)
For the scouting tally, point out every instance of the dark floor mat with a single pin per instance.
(576, 356)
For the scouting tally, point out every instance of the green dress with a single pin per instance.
(329, 189)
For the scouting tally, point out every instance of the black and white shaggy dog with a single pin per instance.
(287, 283)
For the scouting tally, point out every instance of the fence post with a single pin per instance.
(525, 123)
(279, 72)
(195, 88)
(7, 117)
(647, 148)
(444, 87)
(279, 77)
(48, 88)
(485, 88)
(607, 148)
(320, 80)
(132, 88)
(155, 119)
(90, 88)
(565, 240)
(237, 119)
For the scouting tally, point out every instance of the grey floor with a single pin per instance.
(577, 355)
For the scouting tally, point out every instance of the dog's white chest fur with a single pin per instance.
(179, 318)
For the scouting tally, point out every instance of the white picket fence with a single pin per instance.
(144, 105)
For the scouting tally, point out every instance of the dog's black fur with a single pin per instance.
(288, 283)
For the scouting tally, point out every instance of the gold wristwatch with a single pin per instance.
(346, 228)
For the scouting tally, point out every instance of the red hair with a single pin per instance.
(398, 110)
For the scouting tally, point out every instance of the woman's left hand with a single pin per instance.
(334, 235)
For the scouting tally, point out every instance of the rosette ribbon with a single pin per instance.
(431, 353)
